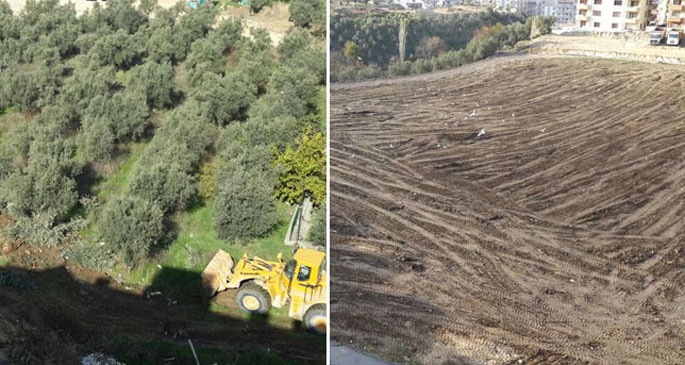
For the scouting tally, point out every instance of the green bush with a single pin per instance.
(166, 184)
(44, 230)
(224, 99)
(205, 57)
(245, 206)
(309, 14)
(154, 81)
(119, 49)
(130, 226)
(94, 256)
(96, 139)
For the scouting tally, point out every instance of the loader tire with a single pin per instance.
(254, 299)
(316, 320)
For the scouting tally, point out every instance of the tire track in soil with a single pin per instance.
(554, 246)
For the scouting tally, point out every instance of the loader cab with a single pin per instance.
(305, 273)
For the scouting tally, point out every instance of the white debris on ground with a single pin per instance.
(99, 359)
(481, 132)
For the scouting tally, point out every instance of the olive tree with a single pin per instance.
(118, 49)
(130, 226)
(166, 184)
(224, 99)
(245, 206)
(154, 81)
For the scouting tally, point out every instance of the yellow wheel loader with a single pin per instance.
(261, 284)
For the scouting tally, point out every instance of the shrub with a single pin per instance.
(400, 68)
(245, 207)
(95, 256)
(96, 139)
(205, 57)
(118, 49)
(154, 81)
(224, 99)
(44, 230)
(130, 226)
(166, 184)
(309, 14)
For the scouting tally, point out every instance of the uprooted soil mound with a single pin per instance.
(529, 211)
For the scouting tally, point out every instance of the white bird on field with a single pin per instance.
(481, 133)
(543, 130)
(473, 113)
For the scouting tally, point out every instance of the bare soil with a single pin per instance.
(555, 237)
(53, 313)
(628, 46)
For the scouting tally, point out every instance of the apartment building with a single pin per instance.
(613, 15)
(675, 14)
(564, 11)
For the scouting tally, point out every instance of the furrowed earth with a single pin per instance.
(516, 210)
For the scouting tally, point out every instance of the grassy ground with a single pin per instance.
(115, 182)
(175, 271)
(4, 260)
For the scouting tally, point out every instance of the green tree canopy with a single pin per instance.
(130, 226)
(245, 206)
(303, 169)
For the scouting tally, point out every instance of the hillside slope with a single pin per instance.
(553, 237)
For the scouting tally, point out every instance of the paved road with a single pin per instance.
(343, 355)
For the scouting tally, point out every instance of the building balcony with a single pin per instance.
(633, 9)
(674, 20)
(673, 7)
(582, 17)
(631, 20)
(583, 6)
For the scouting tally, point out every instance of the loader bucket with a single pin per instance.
(217, 272)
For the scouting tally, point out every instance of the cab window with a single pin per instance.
(305, 273)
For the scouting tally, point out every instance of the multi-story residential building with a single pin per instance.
(675, 14)
(613, 15)
(563, 10)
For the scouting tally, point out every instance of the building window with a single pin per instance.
(617, 14)
(582, 12)
(596, 13)
(583, 23)
(598, 2)
(618, 2)
(583, 2)
(614, 26)
(632, 15)
(634, 4)
(596, 24)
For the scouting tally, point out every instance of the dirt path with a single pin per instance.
(552, 238)
(60, 316)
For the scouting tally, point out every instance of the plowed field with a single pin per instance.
(515, 209)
